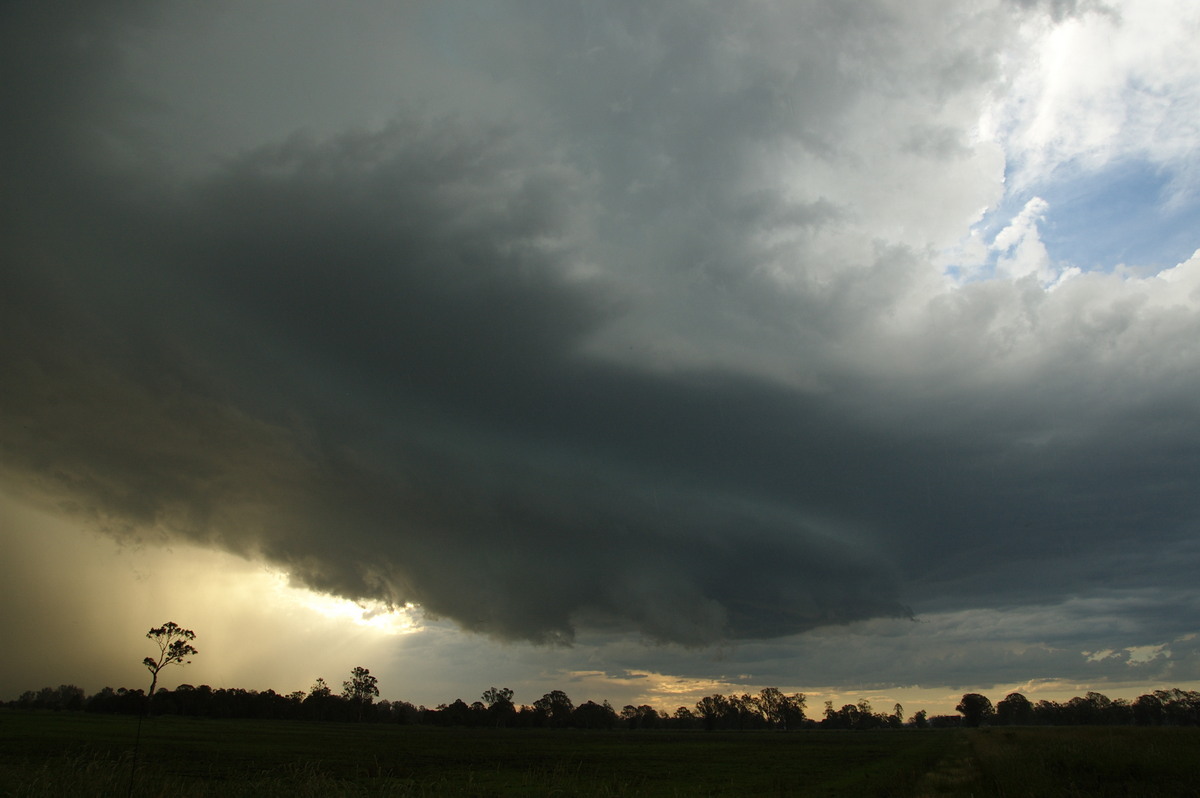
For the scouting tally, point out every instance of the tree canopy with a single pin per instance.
(174, 648)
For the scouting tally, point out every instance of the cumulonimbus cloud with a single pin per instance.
(669, 354)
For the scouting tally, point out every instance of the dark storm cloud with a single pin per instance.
(411, 363)
(358, 358)
(382, 357)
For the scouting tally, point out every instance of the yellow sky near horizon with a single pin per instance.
(256, 631)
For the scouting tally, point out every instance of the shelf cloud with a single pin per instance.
(698, 323)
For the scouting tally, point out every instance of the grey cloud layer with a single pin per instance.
(598, 368)
(478, 466)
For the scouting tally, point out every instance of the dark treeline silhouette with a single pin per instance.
(1171, 707)
(769, 709)
(861, 716)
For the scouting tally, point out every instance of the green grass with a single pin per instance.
(1088, 761)
(45, 754)
(51, 754)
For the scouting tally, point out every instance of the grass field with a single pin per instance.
(1088, 761)
(49, 754)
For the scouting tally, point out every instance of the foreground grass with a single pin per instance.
(43, 754)
(1086, 761)
(49, 754)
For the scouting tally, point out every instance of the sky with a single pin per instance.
(643, 350)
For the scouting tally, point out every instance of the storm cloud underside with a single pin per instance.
(657, 347)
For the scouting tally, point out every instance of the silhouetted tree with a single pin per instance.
(684, 718)
(779, 710)
(185, 700)
(117, 702)
(793, 711)
(771, 701)
(556, 707)
(920, 720)
(1089, 710)
(1014, 710)
(500, 707)
(454, 714)
(640, 717)
(858, 716)
(590, 715)
(1180, 707)
(1119, 712)
(976, 709)
(868, 718)
(321, 703)
(174, 647)
(744, 711)
(404, 712)
(361, 690)
(945, 721)
(1049, 713)
(65, 696)
(712, 710)
(1148, 710)
(497, 695)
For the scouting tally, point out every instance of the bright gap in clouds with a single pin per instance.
(1124, 214)
(254, 630)
(1098, 126)
(373, 615)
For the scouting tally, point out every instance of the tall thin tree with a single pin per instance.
(174, 648)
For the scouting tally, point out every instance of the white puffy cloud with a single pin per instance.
(1114, 81)
(1022, 252)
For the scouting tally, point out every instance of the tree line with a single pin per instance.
(1170, 707)
(357, 702)
(767, 709)
(770, 708)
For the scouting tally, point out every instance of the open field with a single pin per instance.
(43, 754)
(1087, 761)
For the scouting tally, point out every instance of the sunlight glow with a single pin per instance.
(376, 616)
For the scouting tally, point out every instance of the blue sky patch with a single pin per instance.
(1119, 215)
